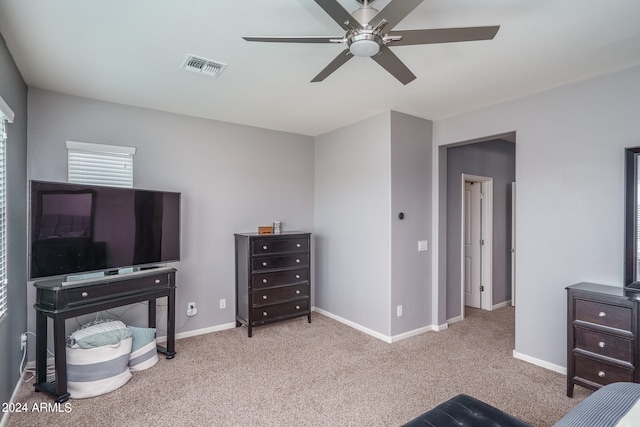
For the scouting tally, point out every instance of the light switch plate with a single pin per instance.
(423, 245)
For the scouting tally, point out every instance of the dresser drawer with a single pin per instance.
(614, 316)
(604, 344)
(281, 310)
(272, 245)
(276, 295)
(600, 372)
(278, 278)
(275, 262)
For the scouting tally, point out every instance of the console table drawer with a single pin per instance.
(289, 261)
(601, 372)
(278, 278)
(84, 294)
(276, 295)
(613, 316)
(270, 246)
(604, 344)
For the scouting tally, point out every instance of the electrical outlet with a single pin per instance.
(423, 245)
(23, 341)
(223, 304)
(399, 311)
(191, 309)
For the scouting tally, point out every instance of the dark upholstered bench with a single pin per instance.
(464, 410)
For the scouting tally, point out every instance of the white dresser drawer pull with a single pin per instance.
(298, 261)
(264, 280)
(264, 313)
(297, 276)
(602, 314)
(298, 245)
(601, 374)
(265, 247)
(264, 297)
(264, 264)
(297, 307)
(157, 281)
(601, 344)
(85, 294)
(297, 291)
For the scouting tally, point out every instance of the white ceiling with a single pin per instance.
(131, 52)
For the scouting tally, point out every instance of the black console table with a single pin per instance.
(59, 301)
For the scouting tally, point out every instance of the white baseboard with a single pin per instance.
(539, 362)
(202, 331)
(354, 325)
(502, 304)
(378, 335)
(455, 320)
(413, 333)
(5, 416)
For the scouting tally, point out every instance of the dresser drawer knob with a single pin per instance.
(298, 245)
(297, 307)
(602, 314)
(601, 374)
(264, 264)
(297, 276)
(264, 313)
(264, 297)
(601, 344)
(85, 294)
(297, 291)
(157, 281)
(264, 280)
(298, 260)
(265, 247)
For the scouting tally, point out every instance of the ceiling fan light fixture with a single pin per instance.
(366, 48)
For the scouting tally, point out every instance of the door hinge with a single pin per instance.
(481, 288)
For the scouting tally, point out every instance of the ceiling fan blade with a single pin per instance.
(443, 35)
(294, 39)
(339, 14)
(390, 62)
(396, 11)
(338, 61)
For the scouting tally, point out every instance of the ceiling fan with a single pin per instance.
(365, 35)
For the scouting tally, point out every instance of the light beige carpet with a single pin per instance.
(322, 374)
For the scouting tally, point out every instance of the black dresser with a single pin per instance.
(602, 336)
(273, 276)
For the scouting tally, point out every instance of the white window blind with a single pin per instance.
(5, 114)
(100, 164)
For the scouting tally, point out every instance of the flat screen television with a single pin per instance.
(78, 229)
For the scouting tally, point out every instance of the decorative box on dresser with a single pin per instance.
(272, 278)
(602, 336)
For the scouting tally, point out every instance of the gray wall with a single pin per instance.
(411, 156)
(569, 207)
(14, 92)
(232, 178)
(494, 159)
(367, 173)
(352, 206)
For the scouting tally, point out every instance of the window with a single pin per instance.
(6, 115)
(100, 164)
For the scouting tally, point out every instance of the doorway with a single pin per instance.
(476, 287)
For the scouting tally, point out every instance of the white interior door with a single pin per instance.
(472, 234)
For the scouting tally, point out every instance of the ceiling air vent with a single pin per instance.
(203, 66)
